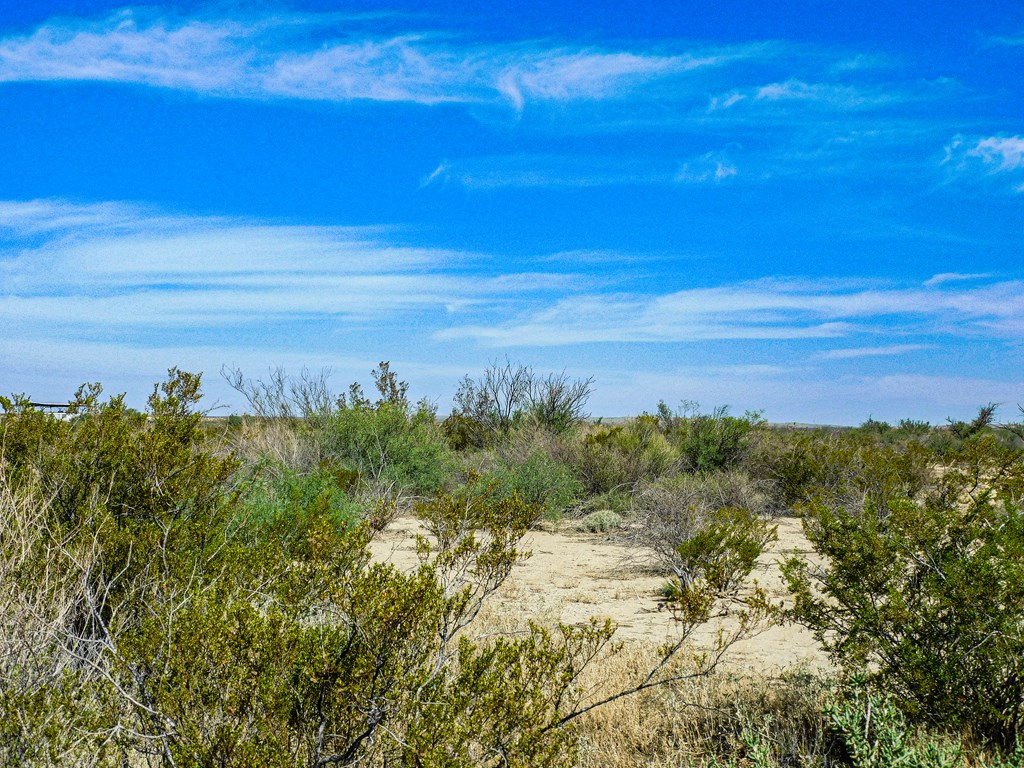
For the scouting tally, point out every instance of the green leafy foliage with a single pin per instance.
(540, 480)
(875, 734)
(164, 615)
(390, 446)
(387, 445)
(849, 468)
(274, 499)
(616, 458)
(928, 595)
(707, 441)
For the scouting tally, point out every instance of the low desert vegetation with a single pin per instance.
(181, 591)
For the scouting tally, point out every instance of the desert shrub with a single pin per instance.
(558, 403)
(389, 446)
(198, 646)
(929, 595)
(619, 500)
(463, 433)
(903, 431)
(276, 445)
(847, 468)
(671, 511)
(145, 626)
(140, 466)
(40, 708)
(964, 430)
(695, 532)
(274, 499)
(508, 395)
(134, 517)
(601, 521)
(300, 423)
(616, 458)
(707, 441)
(950, 439)
(540, 480)
(875, 734)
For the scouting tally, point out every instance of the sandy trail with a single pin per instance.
(573, 576)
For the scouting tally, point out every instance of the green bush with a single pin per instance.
(273, 500)
(540, 480)
(707, 442)
(875, 734)
(672, 511)
(161, 636)
(389, 446)
(140, 466)
(616, 458)
(619, 501)
(848, 468)
(929, 595)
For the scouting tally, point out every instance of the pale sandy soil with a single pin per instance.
(573, 576)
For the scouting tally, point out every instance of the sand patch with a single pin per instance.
(573, 576)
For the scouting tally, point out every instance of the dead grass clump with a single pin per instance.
(699, 721)
(41, 592)
(276, 443)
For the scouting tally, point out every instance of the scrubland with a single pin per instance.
(352, 579)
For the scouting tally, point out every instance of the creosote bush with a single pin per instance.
(617, 458)
(166, 602)
(851, 469)
(701, 515)
(707, 441)
(393, 447)
(165, 617)
(928, 595)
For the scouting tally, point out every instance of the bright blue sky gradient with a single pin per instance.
(814, 209)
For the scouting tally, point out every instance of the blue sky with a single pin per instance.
(811, 208)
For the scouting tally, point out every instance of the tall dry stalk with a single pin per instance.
(43, 586)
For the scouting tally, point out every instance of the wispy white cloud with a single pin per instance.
(554, 171)
(270, 58)
(1012, 41)
(830, 96)
(885, 351)
(536, 171)
(986, 156)
(765, 309)
(862, 62)
(952, 277)
(118, 292)
(711, 167)
(1001, 153)
(118, 265)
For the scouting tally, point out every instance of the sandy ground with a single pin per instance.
(572, 576)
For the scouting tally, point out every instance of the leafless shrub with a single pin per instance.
(38, 609)
(558, 402)
(673, 510)
(383, 503)
(507, 394)
(280, 396)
